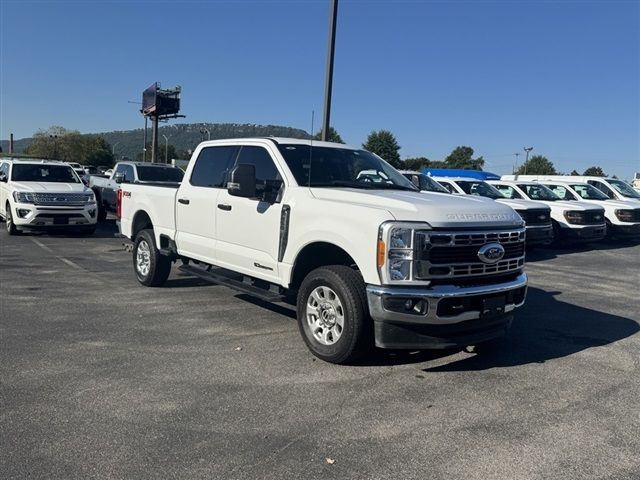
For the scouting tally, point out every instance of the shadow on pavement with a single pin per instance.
(545, 329)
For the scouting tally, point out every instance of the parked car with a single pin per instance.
(537, 215)
(39, 194)
(572, 221)
(612, 187)
(105, 188)
(622, 216)
(364, 261)
(79, 169)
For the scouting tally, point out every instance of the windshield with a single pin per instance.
(426, 183)
(538, 192)
(43, 173)
(588, 192)
(624, 189)
(160, 174)
(482, 189)
(342, 167)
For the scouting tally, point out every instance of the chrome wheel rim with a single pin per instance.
(9, 220)
(325, 315)
(143, 258)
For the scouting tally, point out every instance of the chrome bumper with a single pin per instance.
(377, 296)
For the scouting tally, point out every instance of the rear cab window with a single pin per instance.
(212, 166)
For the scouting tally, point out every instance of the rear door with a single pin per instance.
(196, 202)
(248, 229)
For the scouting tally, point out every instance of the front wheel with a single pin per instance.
(11, 227)
(152, 269)
(333, 316)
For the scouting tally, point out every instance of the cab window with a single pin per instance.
(267, 175)
(212, 166)
(508, 191)
(562, 192)
(603, 188)
(448, 187)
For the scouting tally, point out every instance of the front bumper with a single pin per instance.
(450, 316)
(591, 233)
(630, 230)
(537, 235)
(31, 216)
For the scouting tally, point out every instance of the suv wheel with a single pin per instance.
(152, 269)
(333, 315)
(11, 227)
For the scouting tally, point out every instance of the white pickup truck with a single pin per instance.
(364, 261)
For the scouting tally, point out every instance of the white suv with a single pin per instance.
(37, 194)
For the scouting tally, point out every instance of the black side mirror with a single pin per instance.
(3, 177)
(119, 177)
(242, 181)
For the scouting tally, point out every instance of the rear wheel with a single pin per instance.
(333, 316)
(152, 269)
(11, 227)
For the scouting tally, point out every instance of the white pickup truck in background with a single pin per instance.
(572, 221)
(364, 261)
(106, 187)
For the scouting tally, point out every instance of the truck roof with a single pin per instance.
(283, 140)
(32, 160)
(146, 164)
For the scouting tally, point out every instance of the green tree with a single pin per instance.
(537, 165)
(574, 172)
(462, 157)
(385, 145)
(417, 163)
(594, 172)
(333, 136)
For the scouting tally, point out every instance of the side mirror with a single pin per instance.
(119, 177)
(242, 181)
(3, 177)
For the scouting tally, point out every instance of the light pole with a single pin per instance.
(526, 161)
(113, 150)
(202, 130)
(328, 84)
(166, 146)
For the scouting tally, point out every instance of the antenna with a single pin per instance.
(310, 149)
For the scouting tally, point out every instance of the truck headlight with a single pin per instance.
(395, 250)
(574, 217)
(23, 197)
(625, 215)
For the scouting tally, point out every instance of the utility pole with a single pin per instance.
(113, 149)
(328, 84)
(526, 162)
(202, 130)
(154, 139)
(144, 141)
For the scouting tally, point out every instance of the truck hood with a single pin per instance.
(517, 204)
(56, 187)
(567, 205)
(440, 210)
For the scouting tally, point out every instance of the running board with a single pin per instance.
(247, 286)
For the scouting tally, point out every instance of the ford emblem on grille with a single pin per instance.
(491, 253)
(542, 217)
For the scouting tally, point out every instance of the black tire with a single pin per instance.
(356, 337)
(11, 227)
(102, 212)
(159, 266)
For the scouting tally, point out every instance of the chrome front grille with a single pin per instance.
(67, 199)
(455, 254)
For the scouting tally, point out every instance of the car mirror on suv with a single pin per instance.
(3, 177)
(242, 181)
(119, 177)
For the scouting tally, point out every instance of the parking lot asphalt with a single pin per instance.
(103, 378)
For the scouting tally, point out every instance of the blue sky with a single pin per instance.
(562, 77)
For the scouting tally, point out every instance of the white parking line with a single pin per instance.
(41, 245)
(62, 259)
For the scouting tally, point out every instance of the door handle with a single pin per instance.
(224, 206)
(184, 201)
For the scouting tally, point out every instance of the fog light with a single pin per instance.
(408, 304)
(23, 212)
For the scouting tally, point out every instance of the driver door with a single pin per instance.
(248, 229)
